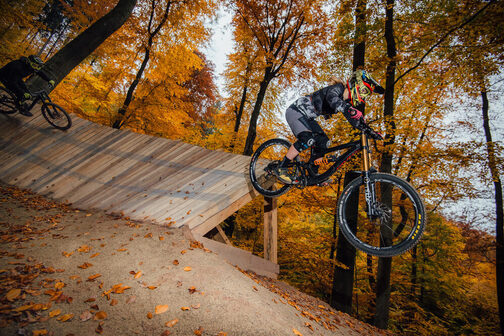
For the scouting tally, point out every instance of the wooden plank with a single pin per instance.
(241, 258)
(270, 229)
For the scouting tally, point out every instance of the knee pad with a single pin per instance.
(305, 140)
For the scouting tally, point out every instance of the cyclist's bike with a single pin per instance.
(378, 213)
(54, 114)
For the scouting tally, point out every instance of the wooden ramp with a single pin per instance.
(143, 177)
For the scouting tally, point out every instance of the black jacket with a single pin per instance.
(19, 69)
(329, 100)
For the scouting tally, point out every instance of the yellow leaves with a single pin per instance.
(137, 275)
(185, 308)
(55, 312)
(84, 249)
(13, 294)
(65, 318)
(40, 332)
(160, 309)
(187, 269)
(297, 333)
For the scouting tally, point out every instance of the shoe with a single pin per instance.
(23, 109)
(283, 175)
(325, 183)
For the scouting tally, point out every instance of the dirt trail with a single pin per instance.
(65, 271)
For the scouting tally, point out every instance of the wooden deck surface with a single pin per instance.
(142, 177)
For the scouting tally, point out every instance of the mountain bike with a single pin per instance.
(55, 115)
(378, 213)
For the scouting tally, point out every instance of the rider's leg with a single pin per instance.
(18, 87)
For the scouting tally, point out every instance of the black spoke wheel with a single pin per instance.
(264, 160)
(399, 221)
(7, 102)
(56, 116)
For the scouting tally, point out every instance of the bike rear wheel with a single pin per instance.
(266, 158)
(7, 102)
(401, 219)
(56, 116)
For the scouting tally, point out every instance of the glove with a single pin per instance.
(27, 96)
(375, 135)
(51, 83)
(354, 117)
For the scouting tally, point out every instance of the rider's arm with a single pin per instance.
(335, 100)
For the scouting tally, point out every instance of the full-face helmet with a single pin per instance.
(361, 85)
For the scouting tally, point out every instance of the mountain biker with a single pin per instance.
(13, 73)
(338, 97)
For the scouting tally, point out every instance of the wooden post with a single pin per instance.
(270, 229)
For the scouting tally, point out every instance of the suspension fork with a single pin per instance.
(369, 186)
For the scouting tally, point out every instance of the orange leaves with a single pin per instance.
(171, 323)
(101, 315)
(84, 249)
(187, 269)
(85, 265)
(13, 294)
(160, 309)
(65, 318)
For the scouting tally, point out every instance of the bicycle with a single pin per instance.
(55, 115)
(378, 213)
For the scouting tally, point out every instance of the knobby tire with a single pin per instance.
(56, 116)
(383, 237)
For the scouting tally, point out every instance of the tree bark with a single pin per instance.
(71, 55)
(252, 130)
(499, 210)
(121, 113)
(342, 288)
(385, 264)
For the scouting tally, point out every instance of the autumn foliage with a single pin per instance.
(152, 76)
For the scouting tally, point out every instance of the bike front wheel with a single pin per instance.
(56, 116)
(7, 102)
(264, 160)
(399, 219)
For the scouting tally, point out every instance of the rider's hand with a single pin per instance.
(51, 83)
(354, 117)
(375, 135)
(27, 96)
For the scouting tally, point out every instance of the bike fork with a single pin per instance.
(369, 186)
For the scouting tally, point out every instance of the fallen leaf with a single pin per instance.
(40, 332)
(55, 312)
(101, 315)
(66, 317)
(297, 333)
(185, 308)
(196, 306)
(171, 323)
(222, 333)
(114, 302)
(161, 309)
(85, 316)
(94, 255)
(192, 290)
(183, 252)
(85, 265)
(13, 294)
(90, 300)
(166, 333)
(152, 287)
(93, 277)
(137, 275)
(99, 328)
(59, 285)
(84, 249)
(149, 315)
(198, 331)
(187, 269)
(122, 250)
(175, 262)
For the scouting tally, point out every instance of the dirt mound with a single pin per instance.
(65, 271)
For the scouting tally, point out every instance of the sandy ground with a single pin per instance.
(65, 271)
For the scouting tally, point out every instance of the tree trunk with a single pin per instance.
(343, 279)
(71, 55)
(252, 130)
(385, 264)
(499, 213)
(121, 120)
(342, 288)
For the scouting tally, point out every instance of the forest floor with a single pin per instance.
(65, 271)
